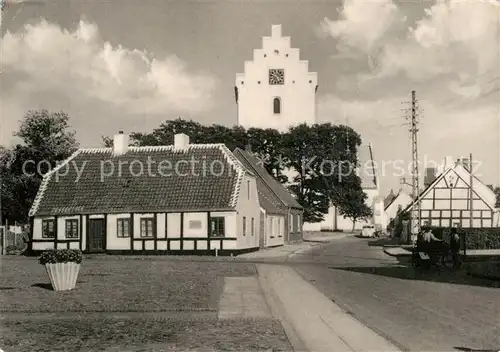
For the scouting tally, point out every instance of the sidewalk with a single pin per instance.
(396, 251)
(311, 240)
(312, 321)
(401, 252)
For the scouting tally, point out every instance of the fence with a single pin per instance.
(13, 242)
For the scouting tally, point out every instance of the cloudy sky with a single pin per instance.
(129, 65)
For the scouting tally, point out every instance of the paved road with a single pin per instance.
(431, 312)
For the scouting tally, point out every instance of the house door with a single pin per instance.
(96, 237)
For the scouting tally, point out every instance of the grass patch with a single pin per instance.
(148, 285)
(163, 334)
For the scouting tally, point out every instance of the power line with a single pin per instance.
(415, 218)
(452, 101)
(463, 103)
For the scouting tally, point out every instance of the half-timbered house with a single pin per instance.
(455, 198)
(195, 198)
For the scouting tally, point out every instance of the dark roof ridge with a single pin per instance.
(242, 153)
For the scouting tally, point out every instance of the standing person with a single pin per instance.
(454, 246)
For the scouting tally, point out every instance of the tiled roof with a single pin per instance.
(203, 177)
(367, 167)
(268, 183)
(389, 199)
(479, 188)
(268, 200)
(270, 205)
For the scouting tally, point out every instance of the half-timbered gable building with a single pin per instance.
(456, 198)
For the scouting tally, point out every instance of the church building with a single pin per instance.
(277, 90)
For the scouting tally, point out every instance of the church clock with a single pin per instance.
(276, 76)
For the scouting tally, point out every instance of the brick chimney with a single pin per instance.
(465, 163)
(448, 162)
(181, 142)
(120, 143)
(248, 148)
(430, 176)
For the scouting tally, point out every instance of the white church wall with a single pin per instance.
(255, 98)
(256, 95)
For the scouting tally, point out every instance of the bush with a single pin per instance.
(16, 249)
(54, 256)
(488, 238)
(476, 238)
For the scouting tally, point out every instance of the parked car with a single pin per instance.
(368, 231)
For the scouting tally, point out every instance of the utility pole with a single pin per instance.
(415, 169)
(415, 218)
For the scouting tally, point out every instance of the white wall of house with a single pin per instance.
(402, 200)
(60, 233)
(192, 229)
(113, 242)
(37, 234)
(379, 214)
(275, 230)
(344, 224)
(248, 208)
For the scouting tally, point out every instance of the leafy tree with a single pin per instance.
(497, 193)
(352, 202)
(268, 145)
(46, 140)
(323, 157)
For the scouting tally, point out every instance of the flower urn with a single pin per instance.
(63, 275)
(63, 266)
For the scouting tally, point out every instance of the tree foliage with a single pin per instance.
(323, 158)
(497, 193)
(46, 139)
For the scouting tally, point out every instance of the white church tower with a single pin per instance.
(276, 89)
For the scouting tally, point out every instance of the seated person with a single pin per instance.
(427, 240)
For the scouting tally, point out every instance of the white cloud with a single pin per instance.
(80, 63)
(454, 37)
(450, 56)
(356, 28)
